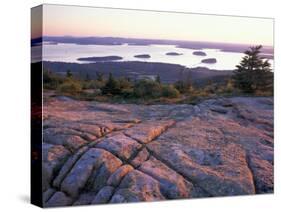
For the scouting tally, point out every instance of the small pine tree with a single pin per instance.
(112, 86)
(99, 76)
(253, 73)
(69, 74)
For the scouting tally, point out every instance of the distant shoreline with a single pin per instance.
(169, 73)
(196, 45)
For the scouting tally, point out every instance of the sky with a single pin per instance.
(88, 21)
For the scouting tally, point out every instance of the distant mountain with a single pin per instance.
(198, 45)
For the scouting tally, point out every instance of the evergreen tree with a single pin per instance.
(99, 76)
(253, 73)
(112, 86)
(68, 74)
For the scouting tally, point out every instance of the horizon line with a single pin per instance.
(198, 41)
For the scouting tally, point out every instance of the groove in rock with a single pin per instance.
(247, 158)
(178, 172)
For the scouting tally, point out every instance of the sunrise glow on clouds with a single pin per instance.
(89, 21)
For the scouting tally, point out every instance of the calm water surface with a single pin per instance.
(71, 52)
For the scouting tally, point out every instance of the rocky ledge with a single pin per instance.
(96, 153)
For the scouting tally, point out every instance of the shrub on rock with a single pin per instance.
(147, 88)
(70, 87)
(170, 91)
